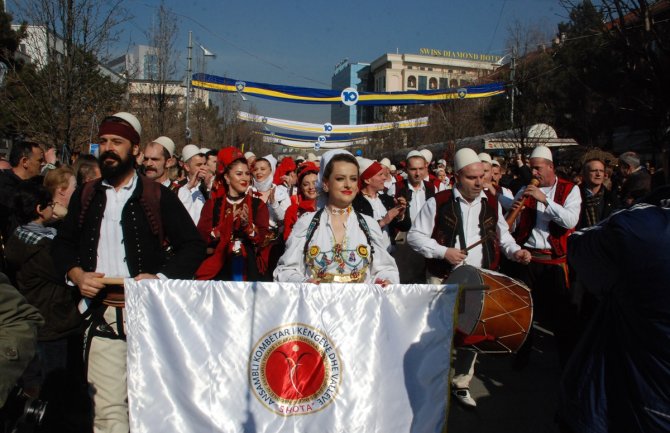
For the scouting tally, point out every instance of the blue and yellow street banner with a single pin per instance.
(349, 96)
(328, 128)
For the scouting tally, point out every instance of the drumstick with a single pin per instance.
(111, 281)
(479, 242)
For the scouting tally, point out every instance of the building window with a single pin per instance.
(383, 89)
(444, 83)
(422, 68)
(453, 83)
(410, 67)
(432, 83)
(423, 81)
(430, 69)
(411, 81)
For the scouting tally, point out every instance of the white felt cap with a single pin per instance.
(427, 155)
(542, 152)
(167, 143)
(485, 157)
(413, 153)
(131, 119)
(465, 157)
(385, 162)
(189, 151)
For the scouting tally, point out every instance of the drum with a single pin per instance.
(496, 312)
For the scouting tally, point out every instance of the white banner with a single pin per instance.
(207, 356)
(328, 128)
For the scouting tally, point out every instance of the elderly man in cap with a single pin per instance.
(158, 158)
(551, 208)
(192, 191)
(120, 226)
(460, 226)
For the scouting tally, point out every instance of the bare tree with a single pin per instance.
(69, 38)
(159, 109)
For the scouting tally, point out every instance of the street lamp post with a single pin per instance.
(188, 85)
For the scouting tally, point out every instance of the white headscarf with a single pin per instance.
(265, 185)
(325, 160)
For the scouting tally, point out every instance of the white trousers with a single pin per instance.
(107, 379)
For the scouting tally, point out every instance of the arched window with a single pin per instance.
(432, 84)
(411, 81)
(453, 83)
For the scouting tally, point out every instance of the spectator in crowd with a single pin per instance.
(636, 179)
(87, 168)
(617, 380)
(29, 252)
(26, 159)
(597, 201)
(19, 324)
(60, 183)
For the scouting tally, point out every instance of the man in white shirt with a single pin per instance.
(550, 215)
(414, 191)
(193, 192)
(118, 226)
(447, 231)
(158, 158)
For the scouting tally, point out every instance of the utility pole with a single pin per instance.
(188, 84)
(511, 77)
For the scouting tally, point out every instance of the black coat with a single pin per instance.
(77, 245)
(43, 287)
(610, 203)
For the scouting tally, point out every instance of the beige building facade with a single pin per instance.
(407, 72)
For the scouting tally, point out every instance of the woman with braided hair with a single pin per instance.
(336, 244)
(235, 225)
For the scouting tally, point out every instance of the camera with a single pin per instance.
(21, 413)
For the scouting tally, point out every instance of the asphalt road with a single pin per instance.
(509, 400)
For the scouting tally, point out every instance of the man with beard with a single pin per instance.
(158, 158)
(119, 226)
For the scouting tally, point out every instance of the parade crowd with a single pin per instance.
(141, 211)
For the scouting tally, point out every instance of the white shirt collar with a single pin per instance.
(128, 186)
(459, 196)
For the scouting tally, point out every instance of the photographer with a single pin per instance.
(19, 322)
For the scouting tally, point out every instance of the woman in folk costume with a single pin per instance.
(235, 225)
(336, 243)
(308, 174)
(285, 177)
(276, 199)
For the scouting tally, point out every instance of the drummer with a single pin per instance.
(464, 225)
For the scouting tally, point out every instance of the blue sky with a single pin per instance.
(298, 42)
